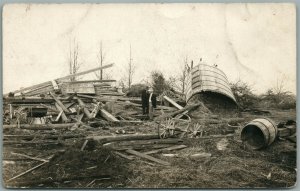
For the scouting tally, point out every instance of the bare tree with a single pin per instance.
(100, 56)
(131, 69)
(183, 76)
(74, 63)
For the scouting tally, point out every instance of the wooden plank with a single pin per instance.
(82, 88)
(84, 144)
(63, 115)
(85, 72)
(29, 157)
(142, 155)
(96, 110)
(30, 87)
(40, 88)
(172, 102)
(108, 116)
(91, 81)
(124, 156)
(59, 115)
(176, 147)
(60, 79)
(63, 107)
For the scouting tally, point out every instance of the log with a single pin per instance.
(40, 126)
(142, 155)
(106, 139)
(176, 147)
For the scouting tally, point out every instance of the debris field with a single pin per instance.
(89, 134)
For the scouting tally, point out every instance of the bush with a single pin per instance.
(136, 90)
(279, 100)
(243, 95)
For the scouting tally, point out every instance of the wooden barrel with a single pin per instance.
(259, 133)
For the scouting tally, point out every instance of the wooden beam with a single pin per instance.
(142, 155)
(91, 81)
(176, 147)
(63, 115)
(85, 110)
(123, 155)
(85, 72)
(63, 107)
(172, 102)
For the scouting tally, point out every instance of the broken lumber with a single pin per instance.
(124, 156)
(85, 110)
(58, 80)
(170, 115)
(31, 169)
(172, 102)
(142, 155)
(59, 103)
(40, 126)
(63, 115)
(105, 114)
(176, 147)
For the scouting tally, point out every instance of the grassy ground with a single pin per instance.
(226, 163)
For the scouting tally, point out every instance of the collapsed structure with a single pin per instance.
(210, 85)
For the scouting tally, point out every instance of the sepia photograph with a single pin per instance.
(149, 95)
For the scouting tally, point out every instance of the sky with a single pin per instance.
(255, 43)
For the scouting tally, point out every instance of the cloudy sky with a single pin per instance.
(252, 42)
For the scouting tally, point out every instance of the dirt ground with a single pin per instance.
(224, 162)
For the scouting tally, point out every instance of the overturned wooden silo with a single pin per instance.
(210, 85)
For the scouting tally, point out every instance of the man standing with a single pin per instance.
(145, 101)
(152, 103)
